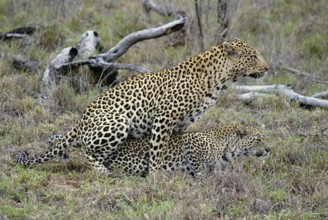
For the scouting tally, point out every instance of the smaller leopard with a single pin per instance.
(197, 153)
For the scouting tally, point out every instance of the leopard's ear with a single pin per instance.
(241, 131)
(231, 50)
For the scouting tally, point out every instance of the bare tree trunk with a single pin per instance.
(198, 7)
(223, 20)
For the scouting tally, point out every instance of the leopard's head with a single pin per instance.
(251, 141)
(247, 61)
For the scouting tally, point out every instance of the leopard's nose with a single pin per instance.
(264, 65)
(266, 68)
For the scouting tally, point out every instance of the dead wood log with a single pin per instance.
(9, 36)
(22, 32)
(252, 92)
(250, 96)
(100, 67)
(55, 67)
(88, 44)
(103, 63)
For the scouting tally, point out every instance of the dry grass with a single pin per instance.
(292, 183)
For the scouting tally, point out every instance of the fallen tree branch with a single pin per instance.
(22, 32)
(319, 81)
(320, 94)
(250, 96)
(95, 63)
(151, 33)
(105, 65)
(279, 90)
(8, 36)
(55, 67)
(292, 70)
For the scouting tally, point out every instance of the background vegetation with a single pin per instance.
(292, 183)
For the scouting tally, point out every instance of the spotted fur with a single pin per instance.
(156, 104)
(197, 153)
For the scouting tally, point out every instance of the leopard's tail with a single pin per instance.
(57, 149)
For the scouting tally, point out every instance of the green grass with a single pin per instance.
(291, 183)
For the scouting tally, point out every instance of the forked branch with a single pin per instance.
(64, 61)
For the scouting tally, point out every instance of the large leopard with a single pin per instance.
(157, 104)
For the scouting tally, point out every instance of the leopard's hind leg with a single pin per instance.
(57, 137)
(103, 139)
(58, 149)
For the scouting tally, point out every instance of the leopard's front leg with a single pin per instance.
(160, 135)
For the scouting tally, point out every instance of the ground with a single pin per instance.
(290, 183)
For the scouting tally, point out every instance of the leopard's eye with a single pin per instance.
(258, 137)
